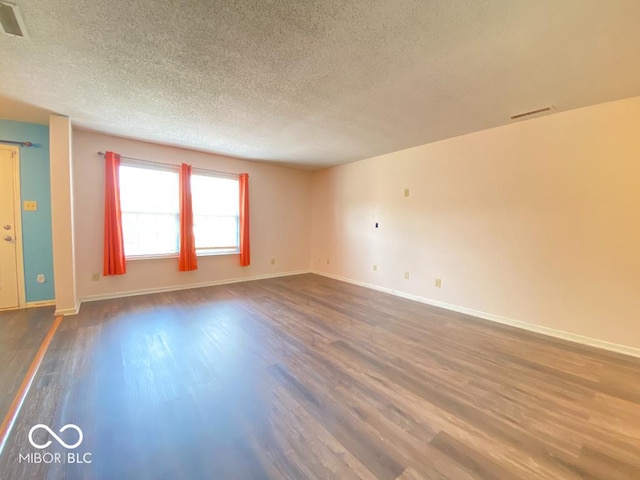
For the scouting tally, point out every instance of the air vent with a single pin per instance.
(11, 20)
(532, 112)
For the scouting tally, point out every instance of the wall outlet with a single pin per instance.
(273, 261)
(30, 205)
(95, 277)
(438, 283)
(406, 275)
(41, 278)
(375, 268)
(328, 261)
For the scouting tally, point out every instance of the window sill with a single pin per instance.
(213, 253)
(135, 258)
(205, 253)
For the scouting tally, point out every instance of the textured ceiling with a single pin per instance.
(315, 83)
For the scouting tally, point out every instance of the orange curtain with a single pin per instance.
(187, 260)
(114, 259)
(245, 252)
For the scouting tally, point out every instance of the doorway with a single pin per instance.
(11, 270)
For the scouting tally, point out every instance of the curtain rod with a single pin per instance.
(22, 144)
(102, 154)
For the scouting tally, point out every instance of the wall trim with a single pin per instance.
(40, 303)
(173, 288)
(69, 311)
(551, 332)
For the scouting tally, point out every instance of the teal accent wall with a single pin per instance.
(36, 226)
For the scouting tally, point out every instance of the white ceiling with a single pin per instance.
(314, 83)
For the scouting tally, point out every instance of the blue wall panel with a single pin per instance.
(36, 226)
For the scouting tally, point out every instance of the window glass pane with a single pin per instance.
(215, 211)
(148, 190)
(149, 200)
(214, 195)
(215, 232)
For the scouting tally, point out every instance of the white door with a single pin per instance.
(9, 291)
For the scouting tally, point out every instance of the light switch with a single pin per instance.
(30, 205)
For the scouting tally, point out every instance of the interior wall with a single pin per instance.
(62, 220)
(36, 225)
(280, 206)
(537, 221)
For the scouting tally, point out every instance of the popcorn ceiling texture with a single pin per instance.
(315, 83)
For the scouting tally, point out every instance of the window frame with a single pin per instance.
(153, 167)
(195, 172)
(205, 252)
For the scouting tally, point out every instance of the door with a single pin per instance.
(9, 289)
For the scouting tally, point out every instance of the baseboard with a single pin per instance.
(571, 337)
(174, 288)
(69, 311)
(42, 303)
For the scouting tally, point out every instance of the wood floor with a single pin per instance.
(306, 377)
(21, 333)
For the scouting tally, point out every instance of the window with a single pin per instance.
(149, 199)
(149, 202)
(215, 213)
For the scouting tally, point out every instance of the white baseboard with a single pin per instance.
(69, 311)
(572, 337)
(173, 288)
(42, 303)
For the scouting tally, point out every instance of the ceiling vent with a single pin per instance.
(11, 20)
(532, 112)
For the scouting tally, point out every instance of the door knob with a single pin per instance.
(8, 238)
(7, 227)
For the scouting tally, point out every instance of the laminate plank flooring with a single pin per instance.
(305, 377)
(21, 333)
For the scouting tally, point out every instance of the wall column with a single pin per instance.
(62, 215)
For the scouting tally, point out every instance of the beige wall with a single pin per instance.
(62, 214)
(280, 219)
(538, 221)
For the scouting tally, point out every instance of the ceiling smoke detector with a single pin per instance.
(11, 20)
(532, 112)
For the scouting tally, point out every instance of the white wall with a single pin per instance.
(62, 215)
(280, 219)
(538, 221)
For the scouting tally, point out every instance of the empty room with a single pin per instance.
(377, 240)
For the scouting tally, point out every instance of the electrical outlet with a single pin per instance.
(273, 261)
(30, 205)
(95, 277)
(406, 275)
(375, 268)
(438, 283)
(328, 261)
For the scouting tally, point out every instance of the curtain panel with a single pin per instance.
(245, 251)
(187, 259)
(114, 257)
